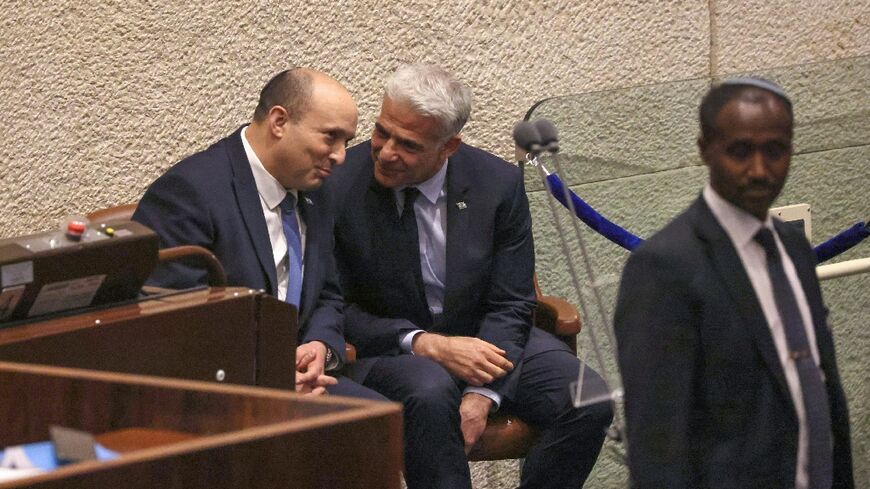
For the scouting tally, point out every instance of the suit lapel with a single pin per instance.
(460, 206)
(248, 200)
(310, 215)
(806, 271)
(730, 269)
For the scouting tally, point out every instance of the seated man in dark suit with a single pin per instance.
(252, 199)
(434, 248)
(726, 356)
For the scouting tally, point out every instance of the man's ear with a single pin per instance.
(452, 145)
(703, 144)
(277, 118)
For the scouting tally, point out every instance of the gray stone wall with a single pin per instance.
(99, 98)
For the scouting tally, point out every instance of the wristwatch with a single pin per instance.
(331, 362)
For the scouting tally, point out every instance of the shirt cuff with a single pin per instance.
(407, 341)
(483, 391)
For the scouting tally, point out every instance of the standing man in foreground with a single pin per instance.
(726, 357)
(251, 199)
(434, 248)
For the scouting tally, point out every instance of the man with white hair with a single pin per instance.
(435, 256)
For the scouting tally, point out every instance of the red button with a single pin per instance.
(75, 228)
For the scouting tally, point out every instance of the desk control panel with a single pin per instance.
(78, 265)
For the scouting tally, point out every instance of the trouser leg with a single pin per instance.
(571, 438)
(434, 447)
(349, 388)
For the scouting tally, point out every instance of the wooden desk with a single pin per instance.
(242, 437)
(248, 336)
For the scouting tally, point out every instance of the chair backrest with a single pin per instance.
(116, 213)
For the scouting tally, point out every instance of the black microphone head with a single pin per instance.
(549, 135)
(526, 137)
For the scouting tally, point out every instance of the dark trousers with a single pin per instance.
(349, 388)
(570, 439)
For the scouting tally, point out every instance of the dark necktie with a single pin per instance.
(815, 397)
(409, 217)
(408, 222)
(294, 249)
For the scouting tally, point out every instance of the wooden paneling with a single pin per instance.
(244, 437)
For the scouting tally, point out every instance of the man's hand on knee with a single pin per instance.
(473, 411)
(473, 360)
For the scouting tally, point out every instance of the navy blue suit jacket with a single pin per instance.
(706, 400)
(210, 199)
(489, 292)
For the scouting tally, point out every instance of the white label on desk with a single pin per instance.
(69, 294)
(17, 273)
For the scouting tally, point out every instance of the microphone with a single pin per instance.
(583, 392)
(526, 136)
(549, 135)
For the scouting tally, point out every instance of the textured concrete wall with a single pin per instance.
(98, 98)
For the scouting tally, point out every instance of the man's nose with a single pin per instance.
(388, 151)
(757, 168)
(338, 154)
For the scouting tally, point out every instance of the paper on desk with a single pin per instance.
(40, 456)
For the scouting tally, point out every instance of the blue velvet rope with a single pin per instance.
(591, 217)
(841, 242)
(825, 251)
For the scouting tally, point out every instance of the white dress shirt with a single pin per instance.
(271, 194)
(741, 228)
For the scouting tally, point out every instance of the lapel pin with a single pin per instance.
(461, 205)
(308, 201)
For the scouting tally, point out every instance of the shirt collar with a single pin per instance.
(739, 225)
(431, 188)
(270, 190)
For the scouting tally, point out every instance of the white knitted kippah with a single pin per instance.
(758, 82)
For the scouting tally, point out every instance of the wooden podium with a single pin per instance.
(206, 435)
(234, 335)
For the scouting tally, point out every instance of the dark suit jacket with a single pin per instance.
(210, 199)
(706, 399)
(490, 258)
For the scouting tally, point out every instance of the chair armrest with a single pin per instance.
(349, 354)
(505, 437)
(557, 316)
(216, 275)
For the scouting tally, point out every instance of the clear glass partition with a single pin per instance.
(632, 131)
